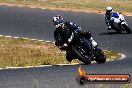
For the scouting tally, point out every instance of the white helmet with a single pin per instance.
(109, 9)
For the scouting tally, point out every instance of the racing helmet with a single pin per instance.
(109, 10)
(57, 21)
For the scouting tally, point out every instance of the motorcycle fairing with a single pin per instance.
(115, 15)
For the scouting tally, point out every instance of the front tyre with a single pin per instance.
(100, 57)
(82, 55)
(127, 29)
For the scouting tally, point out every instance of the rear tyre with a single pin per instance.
(100, 57)
(117, 30)
(127, 29)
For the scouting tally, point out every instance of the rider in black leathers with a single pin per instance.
(63, 31)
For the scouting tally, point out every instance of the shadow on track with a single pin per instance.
(111, 33)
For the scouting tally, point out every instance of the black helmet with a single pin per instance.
(58, 21)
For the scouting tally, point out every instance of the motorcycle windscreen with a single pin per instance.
(115, 15)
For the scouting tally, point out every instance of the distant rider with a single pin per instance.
(62, 32)
(109, 16)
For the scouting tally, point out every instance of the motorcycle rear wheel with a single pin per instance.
(117, 30)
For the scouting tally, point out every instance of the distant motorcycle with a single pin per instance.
(83, 50)
(119, 24)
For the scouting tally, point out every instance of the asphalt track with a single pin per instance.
(37, 23)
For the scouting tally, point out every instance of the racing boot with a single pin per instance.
(109, 27)
(69, 57)
(94, 44)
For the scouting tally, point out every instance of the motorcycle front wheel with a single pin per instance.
(100, 57)
(127, 29)
(81, 54)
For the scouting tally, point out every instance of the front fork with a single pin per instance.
(92, 53)
(95, 51)
(122, 23)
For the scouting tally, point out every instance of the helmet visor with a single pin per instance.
(108, 11)
(59, 21)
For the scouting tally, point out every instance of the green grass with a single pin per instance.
(111, 54)
(120, 5)
(121, 86)
(26, 52)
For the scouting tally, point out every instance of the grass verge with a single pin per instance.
(26, 52)
(119, 5)
(121, 86)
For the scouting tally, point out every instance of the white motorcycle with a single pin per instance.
(119, 24)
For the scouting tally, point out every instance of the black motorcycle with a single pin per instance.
(82, 49)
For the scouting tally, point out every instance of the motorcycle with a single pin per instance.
(119, 24)
(83, 50)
